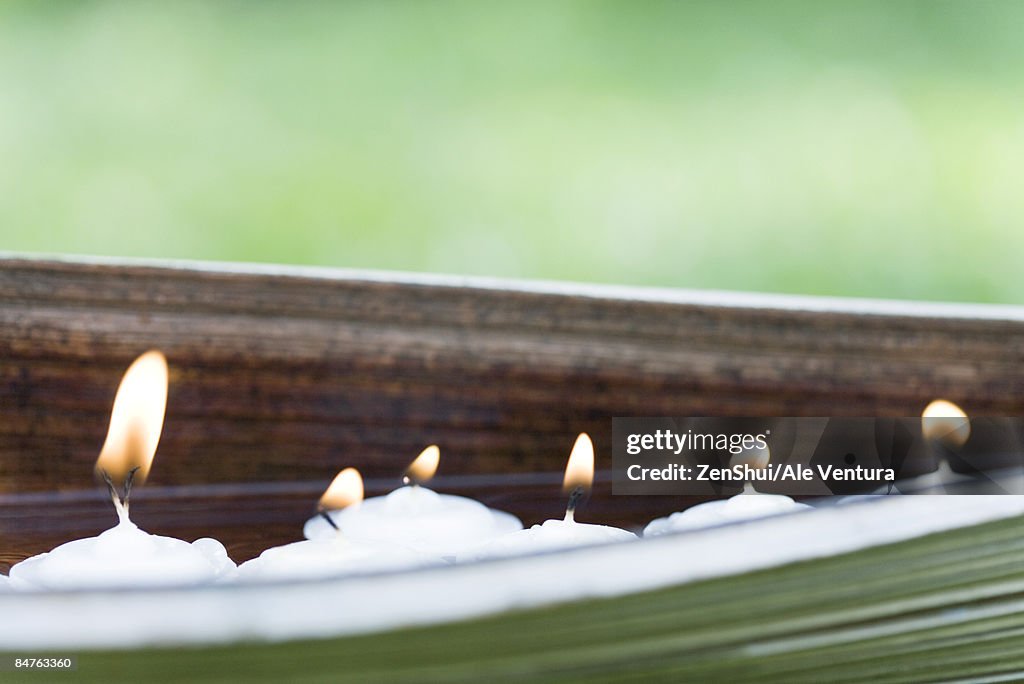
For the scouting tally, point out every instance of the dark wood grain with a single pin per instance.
(289, 376)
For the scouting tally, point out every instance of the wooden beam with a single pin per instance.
(291, 374)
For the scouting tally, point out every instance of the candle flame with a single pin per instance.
(346, 489)
(579, 471)
(136, 419)
(425, 465)
(945, 421)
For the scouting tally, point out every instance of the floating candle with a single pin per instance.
(418, 518)
(747, 505)
(334, 554)
(125, 555)
(944, 428)
(557, 534)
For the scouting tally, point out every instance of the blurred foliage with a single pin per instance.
(860, 148)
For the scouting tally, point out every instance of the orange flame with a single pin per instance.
(136, 419)
(425, 465)
(945, 421)
(579, 471)
(346, 489)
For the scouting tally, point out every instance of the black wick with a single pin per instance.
(121, 500)
(330, 521)
(574, 498)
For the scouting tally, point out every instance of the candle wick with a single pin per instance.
(574, 498)
(120, 500)
(330, 521)
(122, 512)
(128, 480)
(110, 487)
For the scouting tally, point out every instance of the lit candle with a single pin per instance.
(125, 555)
(334, 554)
(418, 518)
(747, 505)
(557, 534)
(944, 426)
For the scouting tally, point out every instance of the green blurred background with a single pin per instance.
(858, 148)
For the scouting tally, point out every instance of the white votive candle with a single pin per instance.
(418, 518)
(557, 534)
(335, 553)
(749, 505)
(124, 555)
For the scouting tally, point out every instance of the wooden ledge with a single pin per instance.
(290, 373)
